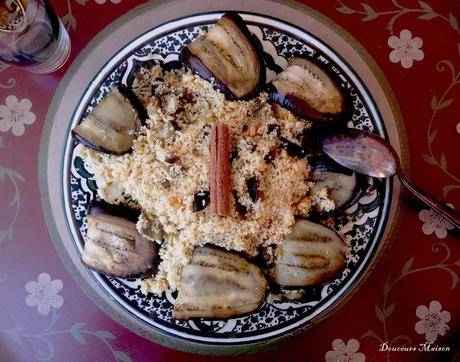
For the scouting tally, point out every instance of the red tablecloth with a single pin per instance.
(411, 297)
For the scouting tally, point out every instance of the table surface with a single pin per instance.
(411, 297)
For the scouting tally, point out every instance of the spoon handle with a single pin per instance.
(449, 214)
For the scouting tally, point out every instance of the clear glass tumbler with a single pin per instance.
(32, 36)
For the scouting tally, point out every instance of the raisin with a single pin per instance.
(200, 201)
(233, 155)
(292, 148)
(270, 156)
(274, 127)
(241, 210)
(175, 125)
(254, 189)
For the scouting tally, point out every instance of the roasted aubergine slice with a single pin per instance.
(309, 90)
(311, 255)
(229, 56)
(111, 126)
(219, 284)
(112, 244)
(343, 184)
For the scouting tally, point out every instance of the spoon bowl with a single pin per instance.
(362, 152)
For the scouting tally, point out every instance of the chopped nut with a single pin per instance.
(260, 130)
(264, 220)
(165, 184)
(149, 158)
(175, 201)
(172, 104)
(303, 206)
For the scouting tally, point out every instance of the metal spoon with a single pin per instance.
(371, 155)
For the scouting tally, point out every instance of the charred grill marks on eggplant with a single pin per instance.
(309, 90)
(229, 55)
(111, 126)
(113, 246)
(341, 182)
(311, 255)
(219, 284)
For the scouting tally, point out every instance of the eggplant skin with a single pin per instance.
(172, 65)
(219, 284)
(135, 102)
(87, 143)
(138, 65)
(328, 173)
(198, 66)
(98, 206)
(311, 255)
(111, 125)
(324, 163)
(113, 246)
(301, 108)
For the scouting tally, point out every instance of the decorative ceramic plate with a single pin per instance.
(363, 229)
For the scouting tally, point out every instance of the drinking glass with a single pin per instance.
(32, 36)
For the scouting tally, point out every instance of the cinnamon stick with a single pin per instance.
(220, 177)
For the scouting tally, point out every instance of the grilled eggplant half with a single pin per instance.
(111, 126)
(311, 255)
(309, 90)
(218, 284)
(343, 184)
(112, 244)
(229, 56)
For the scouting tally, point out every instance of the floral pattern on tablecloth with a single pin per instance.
(6, 83)
(15, 115)
(70, 21)
(433, 321)
(434, 223)
(345, 352)
(10, 177)
(397, 11)
(408, 48)
(44, 294)
(405, 49)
